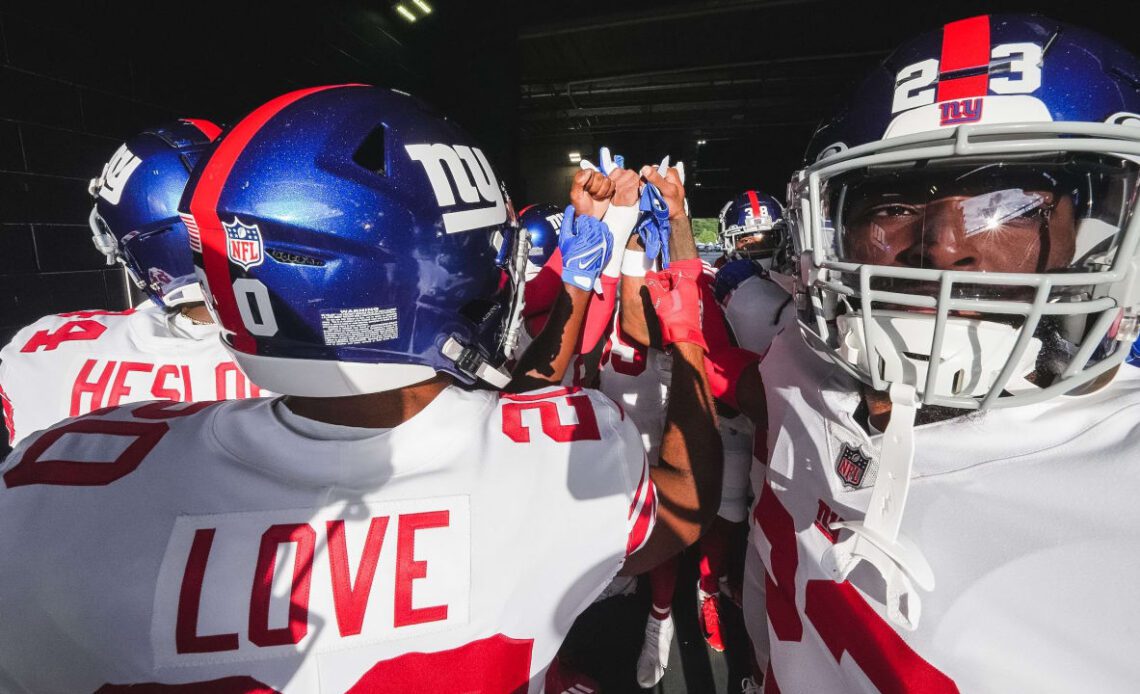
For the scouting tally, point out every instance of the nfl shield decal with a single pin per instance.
(243, 244)
(852, 465)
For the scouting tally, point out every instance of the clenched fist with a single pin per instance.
(591, 193)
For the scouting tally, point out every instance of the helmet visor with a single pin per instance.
(1057, 214)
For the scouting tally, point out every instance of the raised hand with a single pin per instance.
(670, 181)
(591, 192)
(676, 300)
(586, 245)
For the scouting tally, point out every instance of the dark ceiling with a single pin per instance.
(752, 78)
(531, 80)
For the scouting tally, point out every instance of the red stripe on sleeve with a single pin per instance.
(643, 510)
(208, 129)
(965, 45)
(9, 417)
(204, 207)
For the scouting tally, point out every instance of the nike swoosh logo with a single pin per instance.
(587, 259)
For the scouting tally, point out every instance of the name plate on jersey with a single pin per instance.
(244, 586)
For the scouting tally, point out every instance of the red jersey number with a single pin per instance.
(72, 330)
(585, 429)
(843, 619)
(145, 434)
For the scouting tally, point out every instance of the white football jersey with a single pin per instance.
(1026, 516)
(70, 364)
(637, 378)
(236, 541)
(756, 311)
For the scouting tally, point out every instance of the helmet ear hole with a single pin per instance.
(372, 154)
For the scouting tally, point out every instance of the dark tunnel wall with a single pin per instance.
(76, 79)
(75, 83)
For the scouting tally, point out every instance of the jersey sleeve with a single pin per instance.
(724, 361)
(6, 411)
(642, 515)
(598, 315)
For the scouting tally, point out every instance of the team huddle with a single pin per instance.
(373, 431)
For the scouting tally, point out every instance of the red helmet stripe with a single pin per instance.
(965, 46)
(754, 203)
(208, 129)
(204, 208)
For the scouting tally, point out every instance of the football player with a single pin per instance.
(167, 348)
(386, 525)
(541, 223)
(636, 372)
(751, 227)
(949, 491)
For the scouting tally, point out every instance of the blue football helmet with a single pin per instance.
(541, 222)
(135, 217)
(752, 226)
(966, 224)
(350, 240)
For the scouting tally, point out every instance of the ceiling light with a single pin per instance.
(424, 7)
(575, 157)
(405, 13)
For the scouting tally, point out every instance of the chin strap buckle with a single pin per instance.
(472, 362)
(876, 539)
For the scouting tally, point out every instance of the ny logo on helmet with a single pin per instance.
(473, 181)
(116, 172)
(243, 244)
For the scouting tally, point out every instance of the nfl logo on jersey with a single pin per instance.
(852, 466)
(243, 244)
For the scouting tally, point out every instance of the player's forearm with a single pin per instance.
(633, 307)
(547, 359)
(681, 243)
(688, 475)
(751, 399)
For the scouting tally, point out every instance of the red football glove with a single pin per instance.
(677, 301)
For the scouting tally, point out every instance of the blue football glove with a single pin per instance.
(586, 245)
(730, 275)
(653, 224)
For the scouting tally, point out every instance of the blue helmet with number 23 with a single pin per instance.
(350, 240)
(135, 217)
(541, 222)
(966, 226)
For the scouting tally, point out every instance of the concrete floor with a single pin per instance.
(606, 641)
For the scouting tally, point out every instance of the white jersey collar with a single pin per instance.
(312, 453)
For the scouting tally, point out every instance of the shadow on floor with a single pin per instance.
(606, 641)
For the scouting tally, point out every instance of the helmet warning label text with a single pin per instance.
(356, 326)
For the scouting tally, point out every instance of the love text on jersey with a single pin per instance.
(317, 581)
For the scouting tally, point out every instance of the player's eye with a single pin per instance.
(886, 213)
(893, 210)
